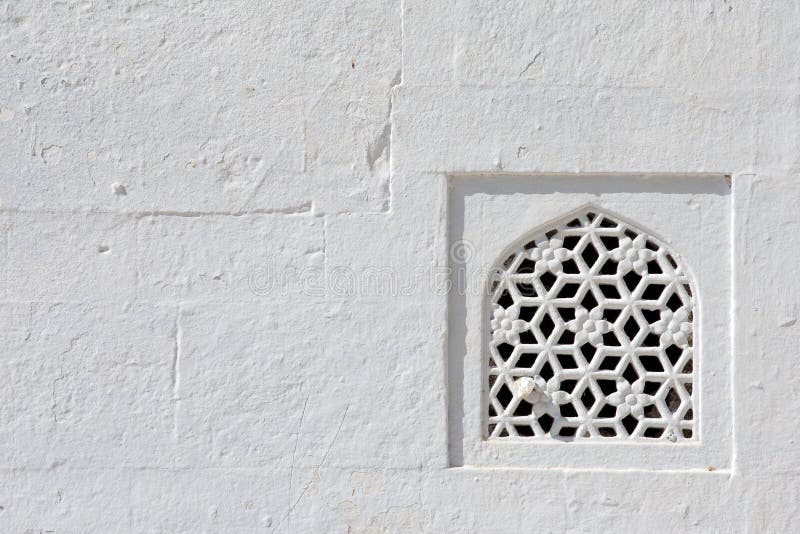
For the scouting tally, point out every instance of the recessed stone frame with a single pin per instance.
(691, 217)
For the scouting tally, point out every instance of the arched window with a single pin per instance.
(591, 336)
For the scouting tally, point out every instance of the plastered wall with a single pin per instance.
(224, 242)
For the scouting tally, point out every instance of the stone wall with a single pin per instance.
(226, 231)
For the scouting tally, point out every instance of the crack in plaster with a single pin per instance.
(287, 515)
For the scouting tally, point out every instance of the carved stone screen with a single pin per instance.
(591, 336)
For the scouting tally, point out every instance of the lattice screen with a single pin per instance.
(591, 337)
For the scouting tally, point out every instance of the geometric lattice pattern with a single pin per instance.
(591, 337)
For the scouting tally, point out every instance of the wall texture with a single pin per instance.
(221, 221)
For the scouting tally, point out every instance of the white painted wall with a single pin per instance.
(205, 206)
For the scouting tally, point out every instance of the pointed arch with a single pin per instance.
(591, 335)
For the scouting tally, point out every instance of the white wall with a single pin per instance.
(205, 204)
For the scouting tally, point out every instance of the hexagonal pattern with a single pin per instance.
(592, 333)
